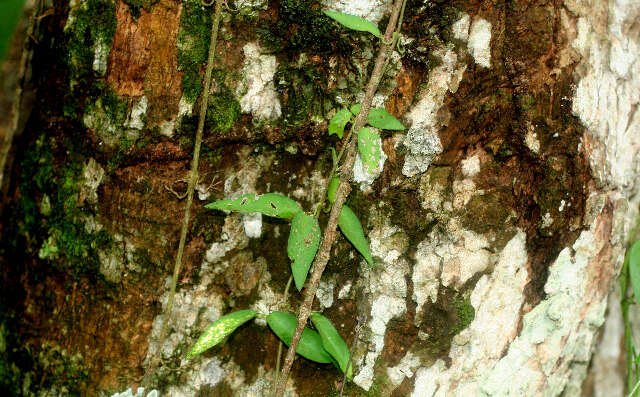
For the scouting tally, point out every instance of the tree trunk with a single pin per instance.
(497, 223)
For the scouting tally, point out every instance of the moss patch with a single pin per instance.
(194, 37)
(57, 234)
(93, 23)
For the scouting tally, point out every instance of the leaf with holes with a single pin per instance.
(380, 118)
(354, 22)
(270, 204)
(310, 345)
(369, 149)
(333, 186)
(634, 269)
(352, 230)
(304, 239)
(332, 341)
(337, 122)
(219, 330)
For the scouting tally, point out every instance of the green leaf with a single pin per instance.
(310, 345)
(337, 122)
(369, 149)
(380, 118)
(354, 22)
(634, 269)
(219, 330)
(332, 342)
(333, 186)
(304, 239)
(270, 204)
(352, 230)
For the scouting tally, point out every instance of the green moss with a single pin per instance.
(465, 313)
(222, 113)
(193, 46)
(93, 22)
(61, 236)
(488, 211)
(303, 28)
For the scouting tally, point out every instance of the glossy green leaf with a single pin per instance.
(332, 341)
(352, 230)
(369, 149)
(634, 269)
(333, 186)
(354, 22)
(270, 204)
(380, 118)
(310, 345)
(337, 122)
(304, 239)
(219, 330)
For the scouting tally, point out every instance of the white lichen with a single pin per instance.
(405, 368)
(138, 112)
(258, 94)
(422, 140)
(325, 293)
(471, 166)
(93, 174)
(386, 286)
(606, 96)
(497, 299)
(252, 223)
(479, 43)
(100, 56)
(365, 177)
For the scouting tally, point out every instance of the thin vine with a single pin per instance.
(192, 180)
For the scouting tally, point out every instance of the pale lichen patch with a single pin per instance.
(422, 140)
(480, 42)
(258, 94)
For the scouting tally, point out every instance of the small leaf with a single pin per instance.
(337, 122)
(304, 239)
(333, 186)
(634, 269)
(310, 345)
(219, 330)
(270, 204)
(369, 149)
(352, 230)
(354, 22)
(380, 118)
(332, 341)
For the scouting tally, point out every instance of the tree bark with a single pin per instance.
(498, 220)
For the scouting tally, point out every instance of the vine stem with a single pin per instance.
(344, 188)
(193, 179)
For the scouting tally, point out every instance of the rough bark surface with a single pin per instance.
(497, 221)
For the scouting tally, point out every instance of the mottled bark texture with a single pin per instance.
(497, 222)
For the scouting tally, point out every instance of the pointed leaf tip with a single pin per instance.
(354, 22)
(219, 330)
(352, 230)
(304, 239)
